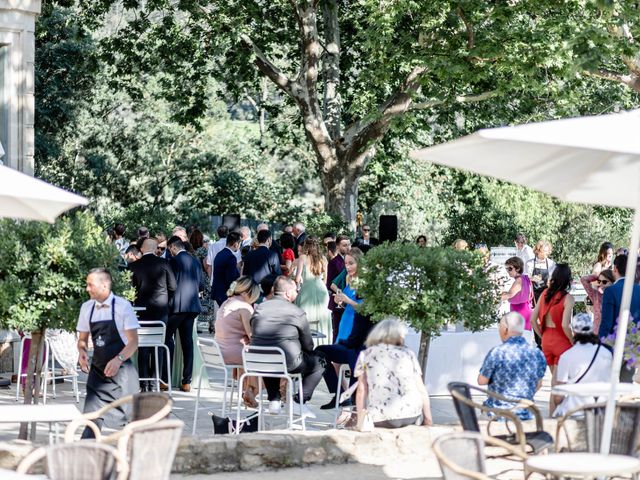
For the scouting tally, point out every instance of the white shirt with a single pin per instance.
(525, 254)
(125, 316)
(546, 263)
(573, 363)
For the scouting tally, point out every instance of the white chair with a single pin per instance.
(151, 334)
(45, 364)
(64, 351)
(212, 358)
(270, 362)
(344, 368)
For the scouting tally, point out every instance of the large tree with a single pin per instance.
(354, 70)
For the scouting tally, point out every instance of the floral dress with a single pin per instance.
(392, 373)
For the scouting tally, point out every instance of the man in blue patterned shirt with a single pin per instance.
(513, 369)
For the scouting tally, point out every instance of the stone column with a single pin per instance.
(17, 106)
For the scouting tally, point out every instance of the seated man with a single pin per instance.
(279, 323)
(513, 369)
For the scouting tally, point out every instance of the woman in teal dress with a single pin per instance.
(313, 297)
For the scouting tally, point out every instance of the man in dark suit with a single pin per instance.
(279, 323)
(262, 261)
(155, 284)
(185, 306)
(611, 303)
(225, 268)
(334, 268)
(366, 241)
(300, 234)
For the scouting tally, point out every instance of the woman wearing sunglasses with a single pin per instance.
(520, 294)
(595, 286)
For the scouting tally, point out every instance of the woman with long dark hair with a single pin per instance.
(605, 259)
(551, 319)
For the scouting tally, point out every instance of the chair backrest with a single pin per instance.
(64, 348)
(457, 452)
(626, 428)
(210, 352)
(466, 413)
(151, 449)
(151, 333)
(78, 461)
(145, 405)
(264, 360)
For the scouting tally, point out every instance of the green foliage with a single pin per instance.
(43, 270)
(428, 287)
(319, 223)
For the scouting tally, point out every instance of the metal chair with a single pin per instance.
(63, 350)
(78, 461)
(147, 407)
(270, 362)
(151, 334)
(625, 436)
(461, 455)
(537, 440)
(344, 368)
(150, 448)
(212, 358)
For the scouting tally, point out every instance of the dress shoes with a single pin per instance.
(185, 387)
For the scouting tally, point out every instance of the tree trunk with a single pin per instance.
(341, 194)
(32, 383)
(423, 354)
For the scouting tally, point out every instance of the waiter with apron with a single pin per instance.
(113, 325)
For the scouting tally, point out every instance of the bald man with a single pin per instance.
(155, 284)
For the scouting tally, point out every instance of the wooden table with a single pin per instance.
(581, 465)
(51, 414)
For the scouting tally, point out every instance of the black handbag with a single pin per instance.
(223, 425)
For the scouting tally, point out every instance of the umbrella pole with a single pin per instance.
(621, 335)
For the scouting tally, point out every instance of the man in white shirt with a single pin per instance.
(523, 251)
(245, 236)
(587, 361)
(113, 326)
(215, 248)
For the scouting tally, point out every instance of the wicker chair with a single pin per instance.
(537, 441)
(150, 449)
(146, 408)
(625, 437)
(461, 455)
(78, 461)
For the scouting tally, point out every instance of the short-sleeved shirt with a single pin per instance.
(392, 374)
(125, 316)
(573, 364)
(514, 369)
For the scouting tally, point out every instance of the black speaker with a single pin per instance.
(232, 221)
(388, 228)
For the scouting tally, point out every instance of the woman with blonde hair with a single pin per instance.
(540, 267)
(233, 330)
(460, 244)
(391, 390)
(310, 276)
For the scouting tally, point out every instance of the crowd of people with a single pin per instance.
(297, 293)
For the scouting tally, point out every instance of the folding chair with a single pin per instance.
(151, 334)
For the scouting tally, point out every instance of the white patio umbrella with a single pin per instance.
(593, 160)
(25, 197)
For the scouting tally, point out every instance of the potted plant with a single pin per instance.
(427, 287)
(42, 279)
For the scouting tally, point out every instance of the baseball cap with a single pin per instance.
(582, 323)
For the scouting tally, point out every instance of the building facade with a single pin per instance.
(17, 104)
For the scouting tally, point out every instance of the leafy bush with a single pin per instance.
(319, 223)
(428, 287)
(43, 270)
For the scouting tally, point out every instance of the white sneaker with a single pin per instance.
(303, 410)
(274, 407)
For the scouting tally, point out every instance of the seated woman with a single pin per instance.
(233, 330)
(586, 361)
(390, 382)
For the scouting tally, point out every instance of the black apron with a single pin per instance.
(538, 287)
(102, 390)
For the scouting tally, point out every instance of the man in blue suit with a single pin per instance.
(262, 261)
(184, 307)
(225, 268)
(611, 302)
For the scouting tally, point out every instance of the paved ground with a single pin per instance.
(442, 410)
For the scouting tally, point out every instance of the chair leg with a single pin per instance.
(224, 392)
(301, 398)
(157, 368)
(290, 386)
(53, 374)
(195, 411)
(238, 413)
(260, 415)
(168, 370)
(76, 391)
(233, 382)
(338, 393)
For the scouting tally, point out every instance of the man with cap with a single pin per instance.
(586, 361)
(113, 326)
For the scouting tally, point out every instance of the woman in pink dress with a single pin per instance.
(233, 330)
(520, 294)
